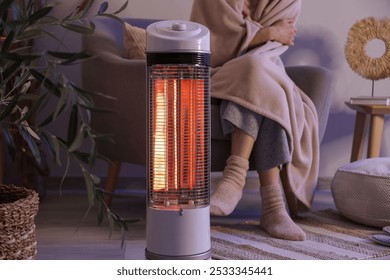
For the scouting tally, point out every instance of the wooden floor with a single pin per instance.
(62, 236)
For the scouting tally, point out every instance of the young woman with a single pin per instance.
(263, 110)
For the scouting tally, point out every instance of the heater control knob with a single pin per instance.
(179, 26)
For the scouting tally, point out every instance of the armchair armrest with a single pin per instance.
(123, 79)
(315, 81)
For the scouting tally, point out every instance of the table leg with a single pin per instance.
(358, 137)
(111, 180)
(375, 136)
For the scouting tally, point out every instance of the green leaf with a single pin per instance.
(123, 238)
(49, 145)
(10, 107)
(79, 28)
(61, 104)
(85, 216)
(103, 8)
(82, 156)
(124, 6)
(132, 221)
(31, 34)
(31, 132)
(73, 125)
(81, 11)
(10, 71)
(93, 93)
(40, 13)
(4, 6)
(90, 187)
(53, 36)
(36, 106)
(30, 5)
(47, 120)
(65, 172)
(16, 83)
(31, 144)
(56, 147)
(78, 141)
(69, 57)
(85, 100)
(93, 155)
(100, 214)
(47, 20)
(8, 41)
(111, 222)
(46, 82)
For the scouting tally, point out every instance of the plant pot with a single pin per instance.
(18, 208)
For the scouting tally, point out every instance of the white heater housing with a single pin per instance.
(178, 72)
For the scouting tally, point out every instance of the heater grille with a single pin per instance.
(179, 134)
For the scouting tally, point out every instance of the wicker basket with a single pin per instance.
(18, 208)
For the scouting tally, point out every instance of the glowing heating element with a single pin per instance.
(178, 168)
(179, 148)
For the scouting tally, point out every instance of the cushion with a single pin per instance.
(361, 191)
(134, 41)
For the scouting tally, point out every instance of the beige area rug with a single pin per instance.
(329, 237)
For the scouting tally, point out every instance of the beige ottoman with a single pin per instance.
(361, 191)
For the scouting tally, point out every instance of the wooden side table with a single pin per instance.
(376, 114)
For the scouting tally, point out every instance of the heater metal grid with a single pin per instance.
(179, 134)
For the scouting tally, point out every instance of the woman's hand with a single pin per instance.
(283, 31)
(246, 10)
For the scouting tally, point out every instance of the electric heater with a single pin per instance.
(178, 201)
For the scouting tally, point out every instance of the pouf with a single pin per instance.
(361, 191)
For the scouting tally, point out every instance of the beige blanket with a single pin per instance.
(257, 79)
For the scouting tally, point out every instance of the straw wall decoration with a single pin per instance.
(361, 33)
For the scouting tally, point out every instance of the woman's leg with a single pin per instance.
(275, 219)
(229, 190)
(242, 143)
(272, 150)
(243, 126)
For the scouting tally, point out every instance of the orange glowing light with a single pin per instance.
(178, 160)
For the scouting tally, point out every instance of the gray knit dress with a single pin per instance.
(271, 148)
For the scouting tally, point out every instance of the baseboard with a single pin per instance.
(324, 183)
(252, 182)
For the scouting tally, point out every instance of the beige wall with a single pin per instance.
(158, 9)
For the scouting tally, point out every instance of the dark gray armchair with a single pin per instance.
(111, 73)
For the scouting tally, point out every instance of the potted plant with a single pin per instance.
(31, 81)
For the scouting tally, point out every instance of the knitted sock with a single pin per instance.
(275, 220)
(229, 189)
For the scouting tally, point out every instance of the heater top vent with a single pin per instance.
(177, 36)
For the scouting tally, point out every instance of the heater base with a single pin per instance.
(203, 256)
(178, 234)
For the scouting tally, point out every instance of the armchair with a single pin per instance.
(112, 73)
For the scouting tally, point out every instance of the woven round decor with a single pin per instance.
(361, 191)
(18, 208)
